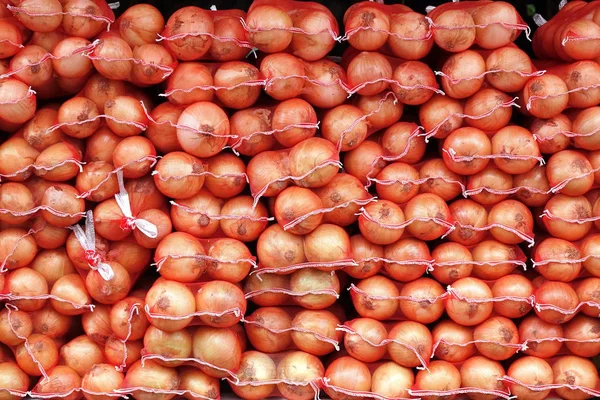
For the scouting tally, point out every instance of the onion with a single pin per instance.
(465, 312)
(532, 371)
(381, 308)
(222, 302)
(454, 30)
(109, 292)
(295, 202)
(101, 378)
(277, 248)
(587, 290)
(15, 327)
(122, 353)
(208, 345)
(309, 280)
(29, 66)
(470, 144)
(12, 377)
(77, 21)
(68, 61)
(391, 380)
(440, 376)
(143, 195)
(512, 286)
(414, 83)
(189, 83)
(100, 89)
(197, 221)
(545, 96)
(535, 179)
(573, 168)
(252, 126)
(488, 257)
(381, 212)
(237, 78)
(241, 220)
(26, 282)
(255, 368)
(368, 256)
(48, 236)
(448, 267)
(49, 162)
(282, 73)
(15, 198)
(18, 156)
(36, 131)
(514, 215)
(518, 142)
(558, 294)
(124, 322)
(150, 375)
(402, 142)
(125, 116)
(268, 329)
(269, 28)
(313, 162)
(12, 37)
(101, 145)
(343, 194)
(291, 112)
(170, 345)
(348, 374)
(453, 341)
(369, 73)
(17, 103)
(190, 22)
(575, 371)
(429, 215)
(228, 179)
(382, 110)
(494, 337)
(582, 75)
(140, 24)
(180, 257)
(198, 384)
(425, 304)
(330, 91)
(368, 27)
(579, 330)
(162, 133)
(295, 371)
(320, 26)
(498, 21)
(153, 63)
(532, 329)
(410, 35)
(409, 259)
(326, 244)
(47, 15)
(43, 349)
(206, 126)
(72, 290)
(17, 249)
(362, 343)
(365, 161)
(486, 184)
(53, 265)
(345, 126)
(77, 254)
(172, 300)
(46, 40)
(50, 322)
(229, 26)
(508, 69)
(97, 179)
(132, 156)
(311, 329)
(112, 58)
(464, 74)
(480, 373)
(411, 344)
(232, 250)
(441, 115)
(96, 324)
(81, 354)
(564, 210)
(550, 252)
(440, 180)
(490, 101)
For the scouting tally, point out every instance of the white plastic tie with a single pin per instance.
(122, 198)
(87, 240)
